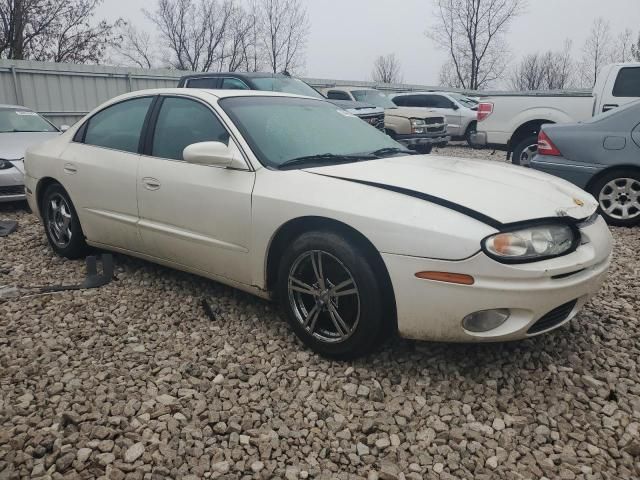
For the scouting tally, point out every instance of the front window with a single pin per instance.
(15, 120)
(283, 129)
(294, 86)
(373, 97)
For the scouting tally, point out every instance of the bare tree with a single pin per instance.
(597, 51)
(136, 47)
(54, 30)
(544, 71)
(386, 69)
(472, 33)
(283, 30)
(635, 50)
(623, 48)
(194, 31)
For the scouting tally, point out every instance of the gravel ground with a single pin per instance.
(134, 381)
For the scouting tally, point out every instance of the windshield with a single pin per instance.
(373, 97)
(465, 101)
(280, 129)
(18, 120)
(286, 85)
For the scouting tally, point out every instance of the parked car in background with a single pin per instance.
(413, 127)
(601, 155)
(459, 111)
(289, 197)
(513, 121)
(278, 82)
(19, 128)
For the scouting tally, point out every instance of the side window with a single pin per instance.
(627, 83)
(338, 95)
(182, 122)
(441, 102)
(233, 84)
(118, 126)
(402, 101)
(202, 83)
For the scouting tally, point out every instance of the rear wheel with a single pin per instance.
(61, 223)
(618, 195)
(525, 150)
(332, 295)
(471, 129)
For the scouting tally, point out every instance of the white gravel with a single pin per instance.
(134, 381)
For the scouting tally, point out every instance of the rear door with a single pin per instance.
(194, 215)
(100, 170)
(621, 89)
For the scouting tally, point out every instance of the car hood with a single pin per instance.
(493, 192)
(13, 145)
(412, 112)
(355, 106)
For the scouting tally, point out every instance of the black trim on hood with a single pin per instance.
(492, 222)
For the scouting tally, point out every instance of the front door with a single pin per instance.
(100, 168)
(195, 215)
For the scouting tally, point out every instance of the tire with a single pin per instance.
(616, 193)
(424, 149)
(471, 129)
(524, 150)
(61, 223)
(343, 267)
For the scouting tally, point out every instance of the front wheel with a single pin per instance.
(424, 149)
(471, 129)
(332, 295)
(618, 195)
(525, 150)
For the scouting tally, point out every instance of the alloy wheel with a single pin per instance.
(527, 154)
(324, 296)
(59, 220)
(620, 198)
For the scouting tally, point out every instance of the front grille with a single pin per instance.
(553, 318)
(12, 190)
(434, 120)
(374, 120)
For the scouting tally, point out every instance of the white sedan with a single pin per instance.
(292, 198)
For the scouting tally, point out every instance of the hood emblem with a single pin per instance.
(578, 202)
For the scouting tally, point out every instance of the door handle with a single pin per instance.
(70, 169)
(151, 183)
(609, 106)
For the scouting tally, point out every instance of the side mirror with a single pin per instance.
(64, 128)
(208, 153)
(455, 107)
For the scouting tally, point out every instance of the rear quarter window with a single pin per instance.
(628, 83)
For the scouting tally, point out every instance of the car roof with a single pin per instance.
(202, 93)
(237, 74)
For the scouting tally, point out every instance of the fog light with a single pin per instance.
(485, 320)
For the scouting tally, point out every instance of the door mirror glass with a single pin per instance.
(215, 154)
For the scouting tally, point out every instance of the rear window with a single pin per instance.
(627, 83)
(202, 83)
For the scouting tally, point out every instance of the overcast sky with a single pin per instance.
(347, 35)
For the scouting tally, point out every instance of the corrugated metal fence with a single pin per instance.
(64, 93)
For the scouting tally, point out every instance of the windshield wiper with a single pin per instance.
(384, 152)
(332, 157)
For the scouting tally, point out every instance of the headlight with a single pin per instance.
(5, 164)
(417, 125)
(532, 244)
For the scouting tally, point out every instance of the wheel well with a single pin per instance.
(42, 186)
(473, 125)
(607, 171)
(530, 128)
(296, 227)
